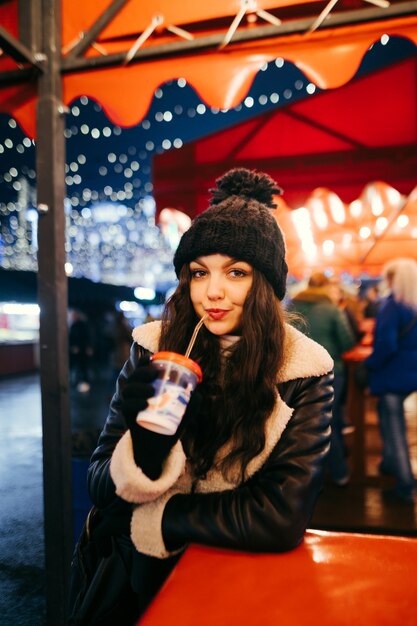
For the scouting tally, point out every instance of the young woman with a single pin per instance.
(393, 372)
(246, 466)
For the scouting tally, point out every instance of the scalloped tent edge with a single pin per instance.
(329, 58)
(355, 244)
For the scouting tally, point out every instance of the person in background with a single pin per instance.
(327, 324)
(393, 372)
(371, 302)
(349, 304)
(121, 336)
(80, 350)
(246, 466)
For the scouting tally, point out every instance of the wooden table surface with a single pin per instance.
(332, 579)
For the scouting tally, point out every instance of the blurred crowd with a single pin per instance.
(333, 316)
(98, 345)
(383, 317)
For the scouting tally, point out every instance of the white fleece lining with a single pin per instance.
(146, 527)
(305, 357)
(131, 483)
(148, 335)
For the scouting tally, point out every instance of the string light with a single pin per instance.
(96, 174)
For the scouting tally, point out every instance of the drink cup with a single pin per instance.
(177, 378)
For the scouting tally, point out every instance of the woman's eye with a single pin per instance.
(237, 273)
(197, 273)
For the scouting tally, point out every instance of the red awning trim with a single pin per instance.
(329, 58)
(222, 78)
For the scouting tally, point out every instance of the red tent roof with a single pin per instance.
(339, 141)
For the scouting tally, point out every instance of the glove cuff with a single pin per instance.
(131, 482)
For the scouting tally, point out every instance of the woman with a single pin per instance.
(245, 469)
(393, 372)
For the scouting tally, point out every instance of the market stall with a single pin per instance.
(57, 50)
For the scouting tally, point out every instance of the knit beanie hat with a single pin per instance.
(239, 224)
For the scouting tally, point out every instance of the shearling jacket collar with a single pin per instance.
(304, 357)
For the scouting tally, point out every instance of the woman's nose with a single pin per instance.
(215, 289)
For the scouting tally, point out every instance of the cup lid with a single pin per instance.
(174, 357)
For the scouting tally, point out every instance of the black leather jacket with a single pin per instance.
(267, 513)
(270, 511)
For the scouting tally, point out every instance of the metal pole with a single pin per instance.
(52, 298)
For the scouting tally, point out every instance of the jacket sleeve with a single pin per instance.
(269, 512)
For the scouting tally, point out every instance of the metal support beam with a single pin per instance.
(30, 24)
(16, 77)
(52, 298)
(17, 50)
(211, 42)
(100, 24)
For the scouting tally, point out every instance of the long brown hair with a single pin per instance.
(238, 401)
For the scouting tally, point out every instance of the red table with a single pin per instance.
(332, 579)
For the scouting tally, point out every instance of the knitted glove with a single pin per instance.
(150, 449)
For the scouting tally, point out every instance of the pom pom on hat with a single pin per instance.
(247, 184)
(239, 224)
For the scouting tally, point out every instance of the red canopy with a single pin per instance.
(340, 139)
(190, 39)
(325, 150)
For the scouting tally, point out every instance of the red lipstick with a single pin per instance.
(217, 314)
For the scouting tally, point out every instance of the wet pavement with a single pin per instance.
(21, 513)
(22, 600)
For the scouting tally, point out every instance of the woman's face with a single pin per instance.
(219, 287)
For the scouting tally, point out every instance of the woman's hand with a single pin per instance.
(150, 449)
(137, 390)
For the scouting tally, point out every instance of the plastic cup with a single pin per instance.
(177, 378)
